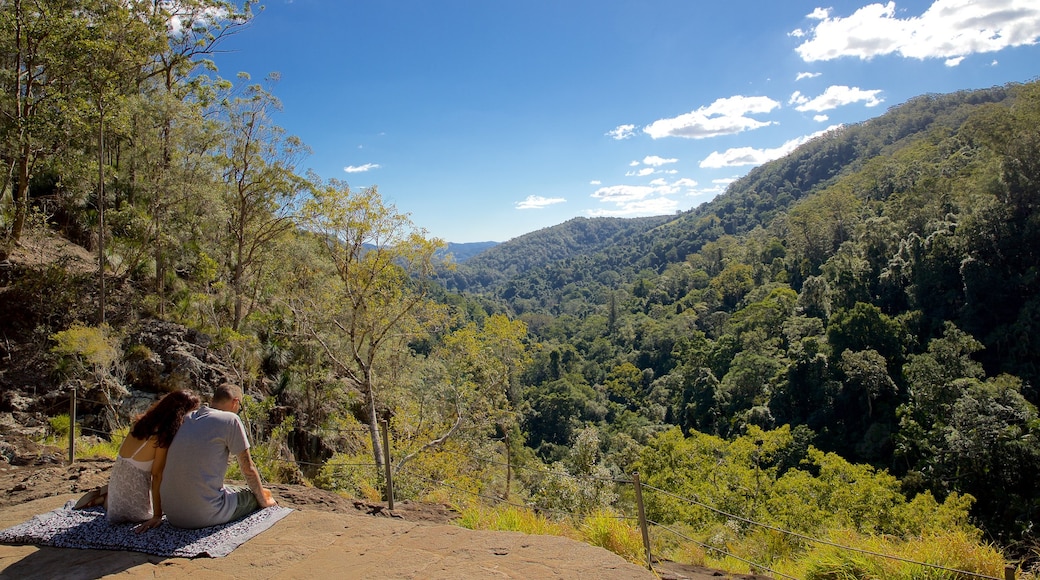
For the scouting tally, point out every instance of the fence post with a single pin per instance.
(386, 461)
(1009, 572)
(72, 427)
(509, 467)
(642, 519)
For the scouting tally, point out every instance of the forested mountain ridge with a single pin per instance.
(755, 200)
(876, 289)
(573, 239)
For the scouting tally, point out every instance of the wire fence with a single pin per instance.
(632, 480)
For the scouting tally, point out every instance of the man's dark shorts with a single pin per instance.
(245, 501)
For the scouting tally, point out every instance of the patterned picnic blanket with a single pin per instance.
(88, 529)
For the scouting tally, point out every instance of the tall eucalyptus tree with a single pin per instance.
(384, 264)
(36, 38)
(258, 191)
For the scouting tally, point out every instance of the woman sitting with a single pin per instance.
(132, 493)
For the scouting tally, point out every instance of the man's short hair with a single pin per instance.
(226, 392)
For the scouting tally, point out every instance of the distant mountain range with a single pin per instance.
(464, 251)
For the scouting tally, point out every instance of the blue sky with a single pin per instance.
(488, 119)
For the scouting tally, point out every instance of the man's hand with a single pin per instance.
(268, 500)
(152, 523)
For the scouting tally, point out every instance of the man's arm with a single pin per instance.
(252, 476)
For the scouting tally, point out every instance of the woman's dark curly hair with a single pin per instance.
(164, 418)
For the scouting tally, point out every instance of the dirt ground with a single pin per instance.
(328, 535)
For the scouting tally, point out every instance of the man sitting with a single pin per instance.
(193, 491)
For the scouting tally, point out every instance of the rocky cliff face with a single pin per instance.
(163, 357)
(158, 357)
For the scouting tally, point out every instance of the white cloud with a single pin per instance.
(797, 33)
(655, 206)
(724, 180)
(634, 163)
(947, 29)
(819, 13)
(641, 173)
(952, 62)
(835, 96)
(361, 168)
(184, 18)
(624, 193)
(621, 132)
(807, 75)
(820, 118)
(595, 182)
(538, 202)
(740, 156)
(656, 161)
(725, 116)
(652, 199)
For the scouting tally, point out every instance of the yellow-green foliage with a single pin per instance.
(953, 551)
(86, 348)
(242, 351)
(420, 475)
(101, 448)
(351, 474)
(510, 518)
(817, 498)
(825, 492)
(606, 530)
(60, 427)
(86, 447)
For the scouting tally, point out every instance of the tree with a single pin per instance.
(172, 115)
(819, 224)
(259, 188)
(865, 327)
(481, 368)
(117, 43)
(384, 264)
(38, 73)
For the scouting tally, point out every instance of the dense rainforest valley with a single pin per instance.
(840, 345)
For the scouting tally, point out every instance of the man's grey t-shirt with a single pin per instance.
(192, 491)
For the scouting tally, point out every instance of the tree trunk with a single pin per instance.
(101, 215)
(373, 425)
(21, 195)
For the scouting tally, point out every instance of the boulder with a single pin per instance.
(165, 357)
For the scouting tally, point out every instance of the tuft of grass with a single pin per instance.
(59, 425)
(606, 530)
(944, 552)
(512, 519)
(92, 447)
